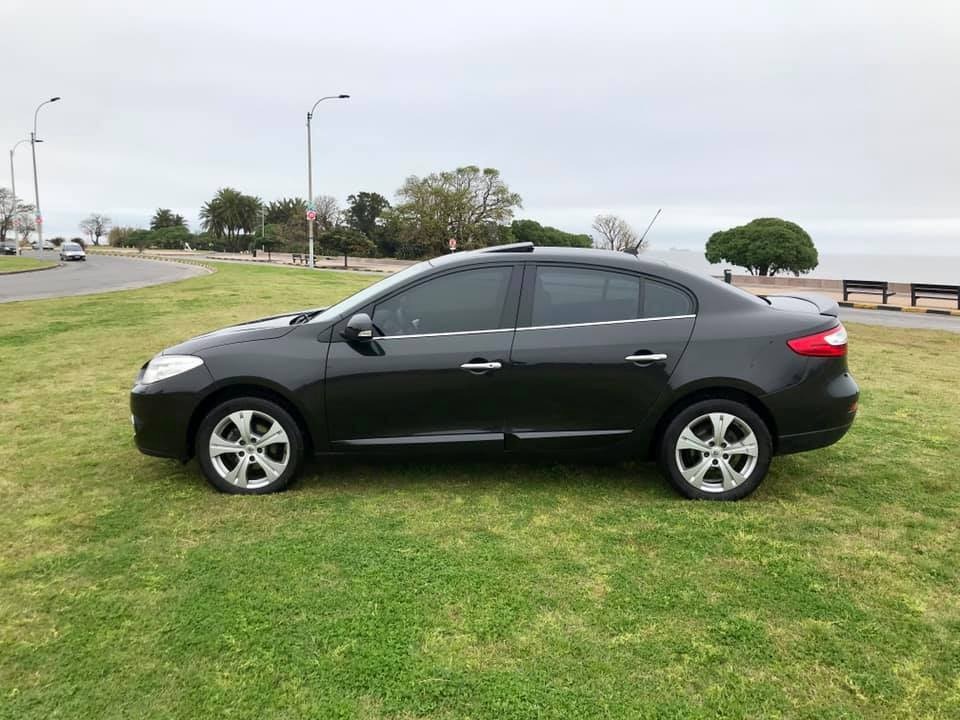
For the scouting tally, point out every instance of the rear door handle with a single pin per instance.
(654, 357)
(480, 366)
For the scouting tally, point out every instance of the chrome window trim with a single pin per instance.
(608, 322)
(534, 327)
(443, 334)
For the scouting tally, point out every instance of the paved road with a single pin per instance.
(98, 274)
(901, 319)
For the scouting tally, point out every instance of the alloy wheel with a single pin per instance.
(249, 449)
(716, 452)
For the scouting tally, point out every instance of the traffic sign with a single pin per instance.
(311, 215)
(453, 244)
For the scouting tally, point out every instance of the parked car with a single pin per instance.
(510, 349)
(8, 248)
(47, 245)
(72, 251)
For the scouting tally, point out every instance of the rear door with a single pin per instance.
(434, 374)
(594, 348)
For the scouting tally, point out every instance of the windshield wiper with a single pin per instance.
(304, 317)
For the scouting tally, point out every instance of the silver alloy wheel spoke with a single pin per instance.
(270, 468)
(238, 475)
(241, 420)
(275, 434)
(695, 475)
(743, 448)
(689, 441)
(721, 424)
(731, 478)
(220, 445)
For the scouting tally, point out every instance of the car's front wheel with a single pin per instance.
(249, 446)
(716, 450)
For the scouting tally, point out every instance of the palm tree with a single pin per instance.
(230, 213)
(164, 218)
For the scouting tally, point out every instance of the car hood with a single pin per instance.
(262, 329)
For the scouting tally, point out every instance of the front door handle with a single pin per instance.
(480, 366)
(654, 357)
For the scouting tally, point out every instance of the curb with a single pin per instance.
(28, 270)
(898, 308)
(183, 261)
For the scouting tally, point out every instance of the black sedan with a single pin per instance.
(511, 349)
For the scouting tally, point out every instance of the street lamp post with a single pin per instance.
(13, 190)
(36, 184)
(310, 167)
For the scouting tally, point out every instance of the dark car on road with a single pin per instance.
(510, 349)
(8, 248)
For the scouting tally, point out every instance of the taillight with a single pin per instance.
(829, 343)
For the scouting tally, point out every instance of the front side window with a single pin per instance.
(563, 296)
(462, 301)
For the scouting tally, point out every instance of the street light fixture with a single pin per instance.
(342, 96)
(13, 190)
(36, 184)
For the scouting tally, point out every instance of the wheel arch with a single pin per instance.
(245, 389)
(713, 392)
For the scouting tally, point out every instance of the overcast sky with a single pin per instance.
(843, 116)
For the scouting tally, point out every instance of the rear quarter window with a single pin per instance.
(662, 300)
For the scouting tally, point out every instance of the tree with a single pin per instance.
(364, 211)
(280, 212)
(346, 241)
(13, 215)
(170, 238)
(764, 246)
(328, 212)
(229, 214)
(615, 233)
(140, 239)
(468, 204)
(96, 226)
(166, 218)
(532, 231)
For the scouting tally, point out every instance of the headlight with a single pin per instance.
(164, 366)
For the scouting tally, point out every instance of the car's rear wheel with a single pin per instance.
(716, 450)
(249, 446)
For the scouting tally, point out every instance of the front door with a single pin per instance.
(594, 348)
(434, 375)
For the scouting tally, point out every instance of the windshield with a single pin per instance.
(361, 298)
(71, 246)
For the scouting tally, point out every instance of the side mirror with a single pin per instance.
(359, 328)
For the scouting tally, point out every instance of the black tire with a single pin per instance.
(260, 412)
(711, 485)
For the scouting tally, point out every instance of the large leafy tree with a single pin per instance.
(764, 246)
(345, 241)
(467, 204)
(229, 215)
(96, 225)
(532, 231)
(364, 211)
(166, 218)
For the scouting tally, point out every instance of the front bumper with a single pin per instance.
(161, 413)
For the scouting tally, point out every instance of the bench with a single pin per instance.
(298, 258)
(867, 287)
(934, 292)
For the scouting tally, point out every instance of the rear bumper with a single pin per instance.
(801, 442)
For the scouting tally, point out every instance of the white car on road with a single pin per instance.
(72, 251)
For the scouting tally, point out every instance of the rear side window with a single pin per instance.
(566, 295)
(468, 300)
(662, 300)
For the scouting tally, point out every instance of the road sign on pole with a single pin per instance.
(453, 244)
(311, 215)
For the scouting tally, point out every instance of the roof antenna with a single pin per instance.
(640, 243)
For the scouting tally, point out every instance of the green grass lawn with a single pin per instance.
(443, 589)
(15, 263)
